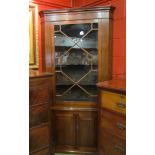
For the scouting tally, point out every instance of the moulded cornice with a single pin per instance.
(46, 12)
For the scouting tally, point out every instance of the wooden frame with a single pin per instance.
(33, 37)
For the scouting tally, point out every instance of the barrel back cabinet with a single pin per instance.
(76, 48)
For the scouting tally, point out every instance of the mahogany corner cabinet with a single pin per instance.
(77, 49)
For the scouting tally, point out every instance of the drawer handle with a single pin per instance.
(121, 126)
(119, 148)
(121, 105)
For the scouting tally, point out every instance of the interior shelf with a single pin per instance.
(75, 48)
(75, 65)
(76, 93)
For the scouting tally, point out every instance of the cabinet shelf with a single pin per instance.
(85, 93)
(84, 83)
(83, 77)
(71, 66)
(76, 49)
(75, 65)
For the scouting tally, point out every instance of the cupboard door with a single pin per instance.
(64, 129)
(87, 131)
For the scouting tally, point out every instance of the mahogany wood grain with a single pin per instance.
(87, 130)
(75, 131)
(40, 99)
(118, 86)
(115, 124)
(105, 54)
(64, 129)
(39, 95)
(113, 101)
(39, 138)
(111, 145)
(112, 118)
(38, 115)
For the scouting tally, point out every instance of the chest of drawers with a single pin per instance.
(39, 116)
(112, 118)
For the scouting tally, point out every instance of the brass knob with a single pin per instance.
(121, 105)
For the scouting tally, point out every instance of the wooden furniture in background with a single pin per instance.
(40, 91)
(77, 49)
(112, 117)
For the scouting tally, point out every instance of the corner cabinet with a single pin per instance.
(76, 47)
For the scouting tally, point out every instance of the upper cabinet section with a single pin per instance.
(74, 38)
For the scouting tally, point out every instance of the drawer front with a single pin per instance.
(111, 145)
(113, 101)
(38, 115)
(39, 138)
(39, 95)
(114, 123)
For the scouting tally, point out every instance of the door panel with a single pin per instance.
(76, 130)
(64, 128)
(87, 134)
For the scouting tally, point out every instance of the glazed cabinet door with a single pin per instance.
(64, 130)
(76, 62)
(87, 133)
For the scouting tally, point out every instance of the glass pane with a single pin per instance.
(60, 89)
(95, 25)
(75, 31)
(61, 79)
(76, 57)
(90, 79)
(62, 46)
(74, 94)
(75, 72)
(90, 41)
(57, 28)
(92, 89)
(62, 42)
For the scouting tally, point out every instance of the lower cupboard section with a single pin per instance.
(111, 145)
(75, 131)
